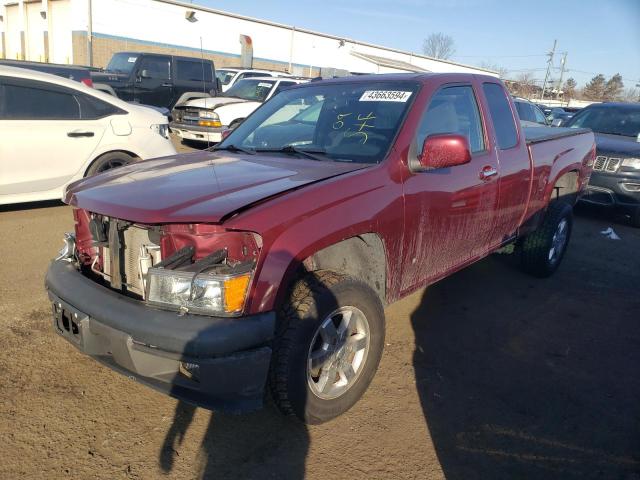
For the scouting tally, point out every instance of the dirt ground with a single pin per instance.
(488, 374)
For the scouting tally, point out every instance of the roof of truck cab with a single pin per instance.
(420, 77)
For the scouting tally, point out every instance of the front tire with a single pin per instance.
(328, 346)
(543, 250)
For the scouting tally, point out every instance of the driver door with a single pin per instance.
(450, 212)
(153, 82)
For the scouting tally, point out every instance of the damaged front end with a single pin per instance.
(165, 305)
(194, 268)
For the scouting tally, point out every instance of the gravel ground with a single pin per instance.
(487, 374)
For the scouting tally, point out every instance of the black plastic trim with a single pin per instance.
(195, 336)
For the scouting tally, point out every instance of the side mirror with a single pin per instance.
(556, 122)
(145, 74)
(444, 150)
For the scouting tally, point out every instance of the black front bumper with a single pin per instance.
(161, 348)
(613, 189)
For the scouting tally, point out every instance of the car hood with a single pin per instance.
(202, 187)
(617, 144)
(211, 102)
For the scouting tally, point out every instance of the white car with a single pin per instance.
(229, 76)
(54, 131)
(204, 119)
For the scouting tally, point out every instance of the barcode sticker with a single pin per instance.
(385, 96)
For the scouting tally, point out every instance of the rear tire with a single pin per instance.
(328, 346)
(542, 251)
(108, 161)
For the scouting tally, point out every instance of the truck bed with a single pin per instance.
(543, 134)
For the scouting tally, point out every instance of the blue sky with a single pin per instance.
(599, 36)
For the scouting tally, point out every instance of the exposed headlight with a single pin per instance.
(161, 129)
(208, 114)
(209, 119)
(631, 163)
(203, 293)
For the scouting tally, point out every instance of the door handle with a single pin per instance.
(167, 85)
(80, 133)
(487, 172)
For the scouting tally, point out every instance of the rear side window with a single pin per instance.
(540, 118)
(92, 108)
(503, 121)
(156, 67)
(34, 103)
(193, 71)
(453, 110)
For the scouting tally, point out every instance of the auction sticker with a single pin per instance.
(385, 96)
(265, 84)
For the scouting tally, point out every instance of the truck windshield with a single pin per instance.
(624, 121)
(351, 121)
(122, 63)
(252, 90)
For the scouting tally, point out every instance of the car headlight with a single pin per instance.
(631, 163)
(201, 293)
(209, 119)
(161, 129)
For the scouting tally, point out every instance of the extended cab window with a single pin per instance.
(37, 102)
(503, 121)
(156, 67)
(453, 110)
(193, 71)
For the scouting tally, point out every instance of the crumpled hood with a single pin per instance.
(202, 187)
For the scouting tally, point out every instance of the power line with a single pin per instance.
(500, 56)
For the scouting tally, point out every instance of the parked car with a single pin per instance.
(616, 172)
(72, 72)
(54, 131)
(154, 79)
(204, 119)
(268, 261)
(561, 119)
(529, 113)
(228, 76)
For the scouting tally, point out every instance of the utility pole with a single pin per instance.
(549, 64)
(563, 64)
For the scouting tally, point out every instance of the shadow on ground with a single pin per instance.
(234, 444)
(526, 378)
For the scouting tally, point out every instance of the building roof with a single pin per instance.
(389, 62)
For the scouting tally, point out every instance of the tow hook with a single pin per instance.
(68, 251)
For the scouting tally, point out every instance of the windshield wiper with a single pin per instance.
(231, 148)
(312, 154)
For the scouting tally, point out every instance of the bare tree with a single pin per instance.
(526, 84)
(487, 65)
(439, 45)
(630, 94)
(569, 88)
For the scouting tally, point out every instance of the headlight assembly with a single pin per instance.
(201, 293)
(631, 163)
(209, 119)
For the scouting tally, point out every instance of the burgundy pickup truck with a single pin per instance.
(267, 262)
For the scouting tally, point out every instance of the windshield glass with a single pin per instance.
(122, 63)
(616, 121)
(249, 89)
(355, 122)
(225, 76)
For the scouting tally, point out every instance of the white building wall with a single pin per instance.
(162, 23)
(12, 31)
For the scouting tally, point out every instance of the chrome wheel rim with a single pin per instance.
(338, 352)
(559, 241)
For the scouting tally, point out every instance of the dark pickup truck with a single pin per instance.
(158, 80)
(268, 261)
